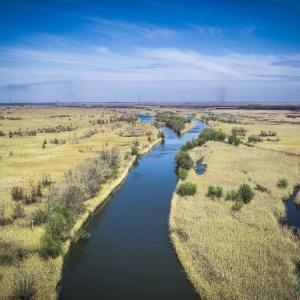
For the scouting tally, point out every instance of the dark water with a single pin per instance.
(292, 212)
(200, 168)
(129, 254)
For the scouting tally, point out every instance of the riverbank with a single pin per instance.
(244, 254)
(188, 127)
(64, 137)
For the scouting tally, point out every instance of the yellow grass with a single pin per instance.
(29, 161)
(245, 254)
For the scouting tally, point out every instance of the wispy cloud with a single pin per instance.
(141, 64)
(288, 63)
(116, 29)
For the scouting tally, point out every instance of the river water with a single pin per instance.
(129, 254)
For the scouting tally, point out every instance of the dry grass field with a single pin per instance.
(244, 254)
(50, 141)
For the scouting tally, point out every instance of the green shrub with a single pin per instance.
(50, 246)
(134, 150)
(254, 139)
(210, 134)
(282, 183)
(39, 216)
(234, 140)
(184, 160)
(60, 222)
(239, 131)
(214, 192)
(246, 193)
(232, 195)
(183, 173)
(187, 189)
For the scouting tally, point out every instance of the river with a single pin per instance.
(129, 254)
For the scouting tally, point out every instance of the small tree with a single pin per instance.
(60, 222)
(246, 193)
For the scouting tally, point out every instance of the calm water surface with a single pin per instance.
(129, 255)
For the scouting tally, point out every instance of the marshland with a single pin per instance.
(220, 234)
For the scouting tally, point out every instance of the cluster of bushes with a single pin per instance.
(234, 140)
(129, 118)
(59, 116)
(19, 193)
(207, 134)
(58, 227)
(254, 139)
(57, 141)
(98, 122)
(89, 134)
(84, 182)
(242, 196)
(19, 133)
(269, 133)
(185, 163)
(207, 118)
(57, 129)
(238, 131)
(14, 118)
(177, 123)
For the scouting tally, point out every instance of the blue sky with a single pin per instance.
(149, 50)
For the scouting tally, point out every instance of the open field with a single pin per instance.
(52, 141)
(246, 253)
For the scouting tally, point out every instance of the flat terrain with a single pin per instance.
(246, 253)
(49, 141)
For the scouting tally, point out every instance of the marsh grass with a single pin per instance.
(31, 163)
(242, 252)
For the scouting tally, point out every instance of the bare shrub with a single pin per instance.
(17, 193)
(24, 285)
(46, 179)
(18, 211)
(39, 216)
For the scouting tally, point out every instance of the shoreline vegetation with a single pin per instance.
(24, 272)
(173, 121)
(233, 249)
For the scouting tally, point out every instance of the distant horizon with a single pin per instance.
(75, 50)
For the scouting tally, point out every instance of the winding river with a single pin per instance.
(129, 254)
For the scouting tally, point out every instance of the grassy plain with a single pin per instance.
(244, 254)
(24, 160)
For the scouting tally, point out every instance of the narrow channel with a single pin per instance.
(129, 254)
